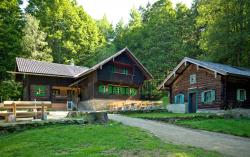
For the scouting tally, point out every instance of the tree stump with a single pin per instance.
(97, 117)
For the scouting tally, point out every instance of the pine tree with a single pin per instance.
(33, 42)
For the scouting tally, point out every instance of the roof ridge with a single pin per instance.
(228, 65)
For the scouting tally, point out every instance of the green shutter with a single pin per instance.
(238, 94)
(135, 92)
(101, 89)
(126, 71)
(126, 91)
(212, 95)
(202, 97)
(40, 91)
(114, 90)
(175, 99)
(123, 90)
(110, 89)
(182, 99)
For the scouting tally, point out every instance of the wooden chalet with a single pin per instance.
(120, 76)
(201, 85)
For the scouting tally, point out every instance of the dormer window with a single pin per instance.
(192, 79)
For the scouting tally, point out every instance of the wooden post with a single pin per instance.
(14, 109)
(43, 112)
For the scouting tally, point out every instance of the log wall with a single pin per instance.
(205, 80)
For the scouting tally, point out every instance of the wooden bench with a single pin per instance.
(35, 109)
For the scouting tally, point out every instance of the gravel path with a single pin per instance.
(222, 143)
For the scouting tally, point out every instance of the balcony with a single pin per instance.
(120, 77)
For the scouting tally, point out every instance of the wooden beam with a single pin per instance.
(197, 67)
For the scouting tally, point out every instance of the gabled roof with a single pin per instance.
(125, 50)
(45, 68)
(33, 67)
(222, 69)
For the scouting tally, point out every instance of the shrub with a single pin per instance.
(10, 90)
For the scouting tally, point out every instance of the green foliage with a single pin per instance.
(72, 33)
(159, 35)
(10, 35)
(225, 33)
(33, 42)
(149, 90)
(10, 90)
(106, 28)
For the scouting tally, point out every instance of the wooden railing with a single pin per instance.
(122, 77)
(35, 109)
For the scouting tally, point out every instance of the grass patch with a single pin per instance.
(110, 140)
(203, 121)
(238, 127)
(158, 115)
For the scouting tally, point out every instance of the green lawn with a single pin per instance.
(112, 139)
(239, 127)
(153, 115)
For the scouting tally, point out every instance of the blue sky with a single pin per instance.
(114, 9)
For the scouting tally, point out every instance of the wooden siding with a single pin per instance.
(87, 86)
(30, 81)
(234, 83)
(106, 74)
(205, 80)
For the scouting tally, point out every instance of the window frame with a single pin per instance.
(37, 87)
(238, 92)
(191, 77)
(181, 97)
(213, 97)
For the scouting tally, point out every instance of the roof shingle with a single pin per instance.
(40, 67)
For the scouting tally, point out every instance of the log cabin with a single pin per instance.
(207, 85)
(119, 77)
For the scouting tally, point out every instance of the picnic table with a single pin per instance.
(35, 109)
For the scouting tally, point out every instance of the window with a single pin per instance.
(40, 91)
(103, 89)
(70, 92)
(179, 99)
(117, 90)
(208, 96)
(132, 91)
(125, 71)
(241, 95)
(55, 92)
(121, 69)
(192, 79)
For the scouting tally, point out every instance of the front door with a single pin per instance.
(192, 102)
